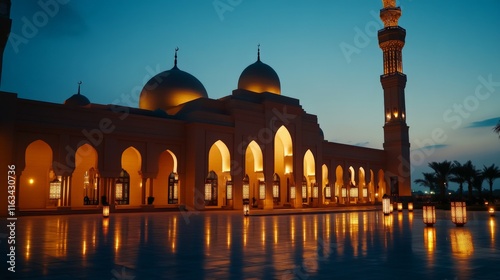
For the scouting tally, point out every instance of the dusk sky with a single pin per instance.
(325, 52)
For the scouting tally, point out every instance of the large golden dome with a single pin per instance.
(259, 77)
(170, 88)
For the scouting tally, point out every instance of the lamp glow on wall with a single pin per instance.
(105, 211)
(386, 205)
(458, 213)
(55, 189)
(429, 214)
(410, 206)
(328, 192)
(292, 192)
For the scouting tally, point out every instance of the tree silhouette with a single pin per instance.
(458, 175)
(490, 174)
(496, 129)
(429, 181)
(442, 172)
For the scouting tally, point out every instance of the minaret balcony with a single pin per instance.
(391, 33)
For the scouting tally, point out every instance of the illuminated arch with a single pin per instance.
(254, 167)
(283, 164)
(83, 179)
(219, 164)
(34, 183)
(339, 183)
(131, 163)
(166, 189)
(326, 183)
(258, 162)
(225, 156)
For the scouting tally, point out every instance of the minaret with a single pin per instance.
(396, 140)
(5, 26)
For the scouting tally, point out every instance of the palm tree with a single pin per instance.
(469, 172)
(478, 182)
(442, 172)
(491, 173)
(428, 181)
(458, 175)
(496, 129)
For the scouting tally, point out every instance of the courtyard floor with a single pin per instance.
(353, 243)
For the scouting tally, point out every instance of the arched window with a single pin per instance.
(122, 188)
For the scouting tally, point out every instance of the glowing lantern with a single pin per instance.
(344, 192)
(429, 214)
(458, 213)
(246, 208)
(262, 190)
(315, 191)
(105, 211)
(410, 206)
(353, 192)
(400, 206)
(491, 210)
(292, 192)
(55, 189)
(328, 192)
(365, 192)
(386, 205)
(119, 190)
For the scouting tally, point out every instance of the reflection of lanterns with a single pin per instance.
(328, 192)
(292, 192)
(105, 211)
(55, 189)
(491, 210)
(400, 206)
(386, 205)
(429, 214)
(410, 206)
(458, 213)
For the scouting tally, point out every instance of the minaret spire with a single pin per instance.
(396, 138)
(258, 52)
(79, 84)
(175, 57)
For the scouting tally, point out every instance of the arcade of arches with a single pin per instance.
(42, 186)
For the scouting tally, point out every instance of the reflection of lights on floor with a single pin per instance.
(461, 242)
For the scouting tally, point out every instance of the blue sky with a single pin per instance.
(451, 60)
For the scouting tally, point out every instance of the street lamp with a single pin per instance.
(429, 214)
(458, 213)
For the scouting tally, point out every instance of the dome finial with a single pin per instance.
(79, 83)
(175, 57)
(258, 52)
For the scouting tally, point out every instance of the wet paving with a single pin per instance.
(227, 245)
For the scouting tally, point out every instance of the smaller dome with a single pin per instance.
(260, 77)
(77, 99)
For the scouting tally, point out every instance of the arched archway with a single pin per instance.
(84, 177)
(382, 186)
(326, 189)
(219, 162)
(340, 189)
(131, 163)
(254, 166)
(362, 188)
(283, 164)
(353, 186)
(36, 176)
(166, 184)
(310, 176)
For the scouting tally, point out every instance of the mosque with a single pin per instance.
(182, 149)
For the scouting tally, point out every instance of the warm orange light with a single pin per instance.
(491, 210)
(458, 213)
(31, 181)
(429, 215)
